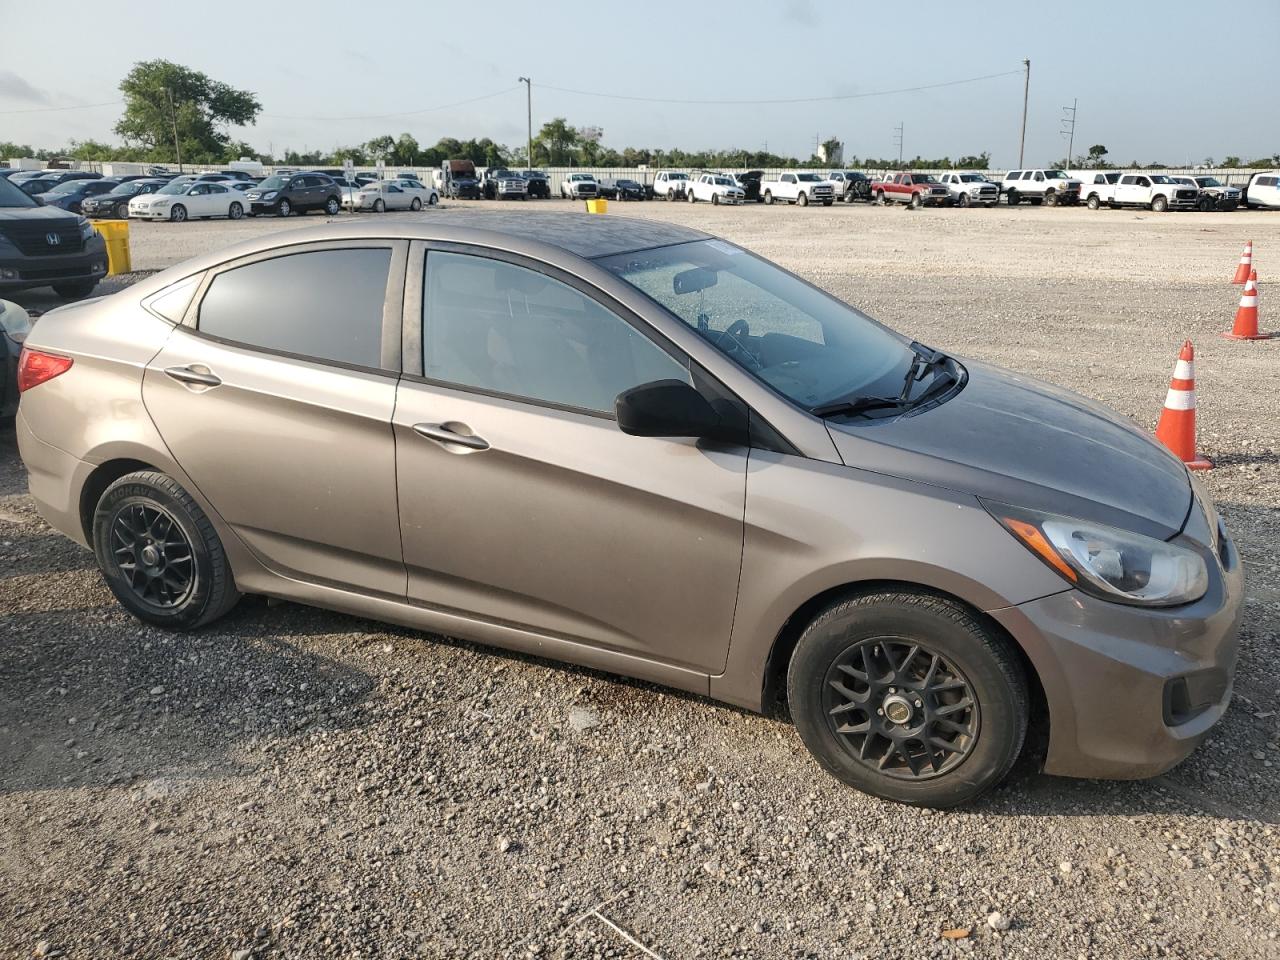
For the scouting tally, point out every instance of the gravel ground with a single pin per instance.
(297, 783)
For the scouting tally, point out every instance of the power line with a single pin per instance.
(79, 106)
(757, 102)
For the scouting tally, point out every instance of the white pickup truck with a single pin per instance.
(970, 189)
(1098, 189)
(579, 186)
(1154, 191)
(801, 187)
(716, 188)
(671, 185)
(1050, 187)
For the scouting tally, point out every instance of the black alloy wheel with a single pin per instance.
(152, 554)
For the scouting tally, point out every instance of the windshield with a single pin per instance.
(127, 189)
(923, 178)
(1209, 182)
(1160, 178)
(11, 196)
(678, 176)
(274, 183)
(723, 182)
(808, 177)
(971, 178)
(69, 186)
(807, 345)
(170, 189)
(1055, 175)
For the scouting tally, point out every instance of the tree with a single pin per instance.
(980, 162)
(9, 149)
(555, 142)
(405, 151)
(1230, 161)
(1097, 157)
(159, 94)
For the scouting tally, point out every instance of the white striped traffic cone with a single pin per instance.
(1246, 325)
(1177, 427)
(1245, 265)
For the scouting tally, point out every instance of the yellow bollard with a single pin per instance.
(597, 206)
(116, 234)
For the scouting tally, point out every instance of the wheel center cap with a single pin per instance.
(897, 709)
(150, 555)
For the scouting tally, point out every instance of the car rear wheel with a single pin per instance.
(909, 696)
(178, 213)
(432, 200)
(1012, 198)
(768, 197)
(159, 553)
(880, 197)
(285, 208)
(1093, 203)
(690, 197)
(235, 212)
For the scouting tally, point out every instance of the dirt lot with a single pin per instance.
(298, 783)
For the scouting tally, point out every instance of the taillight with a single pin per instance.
(34, 368)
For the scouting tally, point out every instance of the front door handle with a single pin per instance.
(448, 433)
(196, 375)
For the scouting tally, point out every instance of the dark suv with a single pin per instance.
(539, 185)
(284, 194)
(44, 246)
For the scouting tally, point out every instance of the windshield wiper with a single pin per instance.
(944, 378)
(858, 405)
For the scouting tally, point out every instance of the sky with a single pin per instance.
(1171, 82)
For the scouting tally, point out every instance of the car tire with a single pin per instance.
(916, 202)
(1051, 199)
(147, 516)
(880, 197)
(333, 206)
(235, 211)
(715, 199)
(415, 205)
(379, 206)
(284, 208)
(768, 197)
(956, 683)
(1206, 203)
(178, 213)
(1159, 205)
(122, 211)
(1093, 203)
(803, 199)
(690, 197)
(1012, 198)
(963, 200)
(76, 290)
(433, 199)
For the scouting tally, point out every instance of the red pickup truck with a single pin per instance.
(913, 189)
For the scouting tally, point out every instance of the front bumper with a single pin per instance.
(1131, 691)
(89, 264)
(264, 206)
(149, 213)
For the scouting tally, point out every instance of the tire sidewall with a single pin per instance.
(1002, 715)
(127, 491)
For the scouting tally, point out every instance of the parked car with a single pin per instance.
(502, 184)
(715, 188)
(394, 195)
(349, 188)
(55, 177)
(1051, 187)
(1097, 188)
(970, 189)
(579, 186)
(35, 186)
(283, 195)
(459, 179)
(15, 324)
(217, 177)
(1155, 192)
(1214, 194)
(799, 188)
(622, 189)
(914, 189)
(850, 185)
(1263, 190)
(7, 172)
(45, 246)
(197, 200)
(539, 184)
(750, 184)
(115, 202)
(787, 498)
(69, 194)
(670, 185)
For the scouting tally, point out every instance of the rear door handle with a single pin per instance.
(196, 375)
(447, 433)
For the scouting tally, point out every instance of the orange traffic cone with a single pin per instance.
(1177, 427)
(1246, 325)
(1245, 265)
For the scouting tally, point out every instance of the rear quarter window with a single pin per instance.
(323, 304)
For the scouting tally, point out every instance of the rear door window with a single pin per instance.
(321, 304)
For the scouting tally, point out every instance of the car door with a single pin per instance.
(275, 396)
(220, 197)
(522, 503)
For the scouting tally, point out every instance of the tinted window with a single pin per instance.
(172, 303)
(326, 304)
(502, 328)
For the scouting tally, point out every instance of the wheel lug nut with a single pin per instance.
(879, 713)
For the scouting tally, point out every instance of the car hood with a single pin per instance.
(1021, 441)
(35, 213)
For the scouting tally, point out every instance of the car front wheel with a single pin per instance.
(909, 696)
(159, 553)
(285, 208)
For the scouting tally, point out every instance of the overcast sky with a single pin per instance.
(1169, 81)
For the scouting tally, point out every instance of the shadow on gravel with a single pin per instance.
(91, 698)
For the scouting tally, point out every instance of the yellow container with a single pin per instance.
(116, 233)
(597, 206)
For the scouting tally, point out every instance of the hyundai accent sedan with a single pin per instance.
(640, 448)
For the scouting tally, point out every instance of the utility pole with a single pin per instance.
(173, 116)
(528, 89)
(1069, 128)
(1026, 93)
(897, 137)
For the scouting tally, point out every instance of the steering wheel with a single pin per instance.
(728, 343)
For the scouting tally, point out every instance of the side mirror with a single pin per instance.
(671, 408)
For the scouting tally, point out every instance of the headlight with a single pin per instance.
(1112, 564)
(271, 195)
